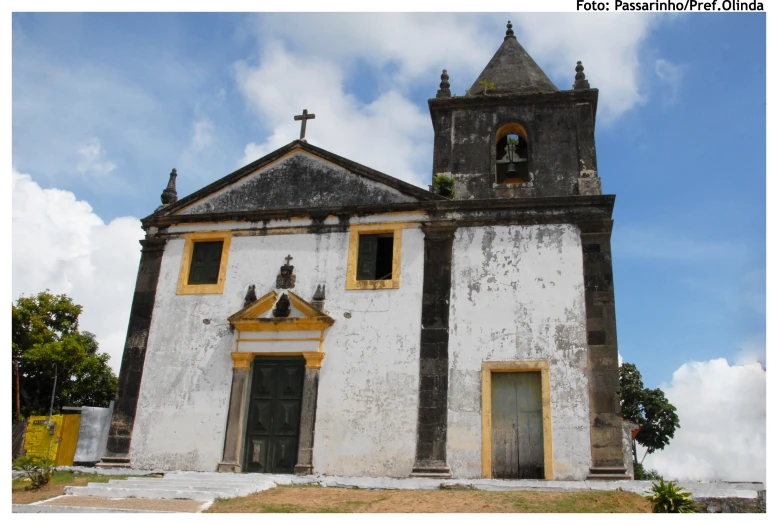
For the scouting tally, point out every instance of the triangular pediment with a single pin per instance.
(258, 316)
(298, 176)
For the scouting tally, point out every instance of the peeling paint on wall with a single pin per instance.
(368, 389)
(518, 295)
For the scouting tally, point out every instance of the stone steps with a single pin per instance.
(278, 479)
(185, 483)
(195, 487)
(152, 493)
(60, 509)
(608, 474)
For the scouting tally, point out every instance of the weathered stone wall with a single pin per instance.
(518, 295)
(731, 505)
(298, 181)
(626, 442)
(560, 142)
(368, 387)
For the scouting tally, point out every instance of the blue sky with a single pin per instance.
(104, 105)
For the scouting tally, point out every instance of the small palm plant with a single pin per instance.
(38, 470)
(670, 498)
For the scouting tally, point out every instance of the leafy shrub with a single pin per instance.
(670, 498)
(646, 475)
(38, 470)
(443, 186)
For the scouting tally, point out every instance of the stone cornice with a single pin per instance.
(535, 210)
(524, 99)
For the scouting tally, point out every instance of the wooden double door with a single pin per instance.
(517, 425)
(273, 424)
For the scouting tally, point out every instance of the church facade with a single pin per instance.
(307, 314)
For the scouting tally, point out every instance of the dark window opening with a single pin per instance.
(206, 261)
(512, 159)
(374, 261)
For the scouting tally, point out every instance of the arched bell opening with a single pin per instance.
(512, 155)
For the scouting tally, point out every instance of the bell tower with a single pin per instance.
(514, 134)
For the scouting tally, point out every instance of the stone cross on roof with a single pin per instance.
(304, 117)
(288, 258)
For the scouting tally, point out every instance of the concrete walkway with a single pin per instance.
(208, 486)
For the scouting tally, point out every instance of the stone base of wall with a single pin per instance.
(732, 505)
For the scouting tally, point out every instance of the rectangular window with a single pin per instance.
(206, 260)
(374, 256)
(374, 262)
(204, 263)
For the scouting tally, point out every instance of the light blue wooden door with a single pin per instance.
(517, 425)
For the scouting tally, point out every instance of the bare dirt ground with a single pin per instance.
(170, 505)
(318, 499)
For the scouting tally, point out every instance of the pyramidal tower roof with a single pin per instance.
(512, 70)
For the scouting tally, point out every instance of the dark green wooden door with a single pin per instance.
(517, 426)
(273, 425)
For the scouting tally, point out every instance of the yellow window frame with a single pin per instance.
(355, 230)
(186, 261)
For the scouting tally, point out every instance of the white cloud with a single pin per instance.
(92, 159)
(389, 134)
(607, 44)
(670, 74)
(722, 411)
(202, 134)
(413, 48)
(753, 350)
(60, 244)
(416, 46)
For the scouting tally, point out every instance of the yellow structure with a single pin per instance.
(56, 440)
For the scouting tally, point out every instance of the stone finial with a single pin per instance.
(509, 32)
(169, 195)
(319, 297)
(580, 78)
(251, 296)
(445, 87)
(283, 307)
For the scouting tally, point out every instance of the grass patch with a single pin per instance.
(300, 499)
(55, 487)
(599, 501)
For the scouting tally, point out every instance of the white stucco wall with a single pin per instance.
(518, 295)
(368, 389)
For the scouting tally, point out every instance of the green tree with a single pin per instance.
(649, 408)
(45, 333)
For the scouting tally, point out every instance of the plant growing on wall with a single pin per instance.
(670, 498)
(443, 186)
(486, 85)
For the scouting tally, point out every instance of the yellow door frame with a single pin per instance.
(500, 367)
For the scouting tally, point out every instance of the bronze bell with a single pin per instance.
(511, 170)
